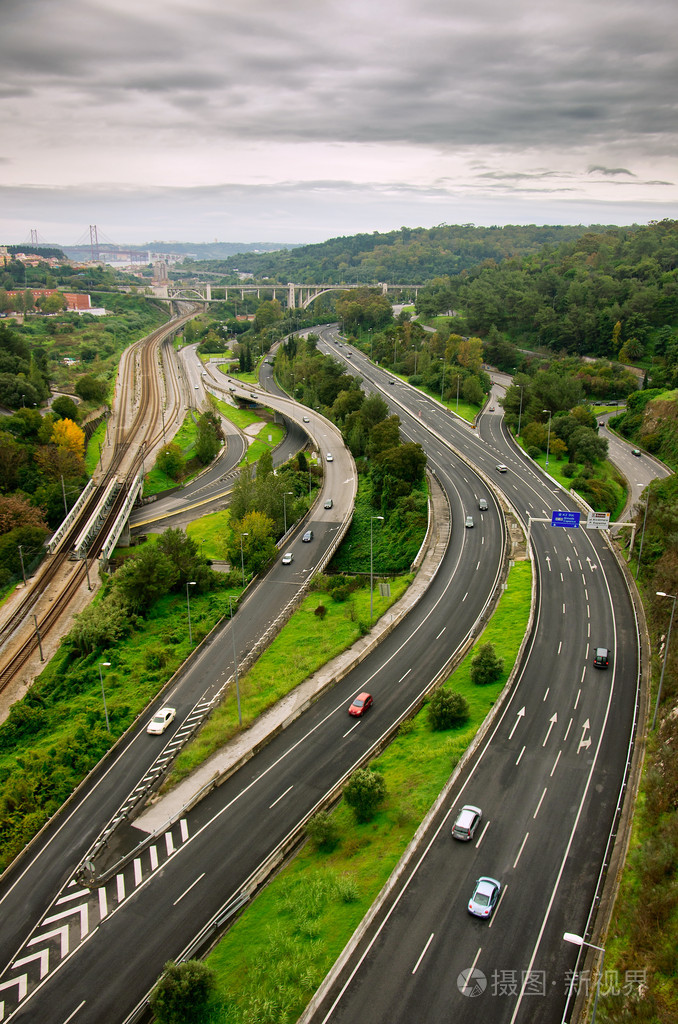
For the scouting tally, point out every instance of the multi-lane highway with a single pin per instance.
(548, 779)
(96, 953)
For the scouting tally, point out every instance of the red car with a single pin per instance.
(361, 704)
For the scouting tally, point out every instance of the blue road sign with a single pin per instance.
(565, 518)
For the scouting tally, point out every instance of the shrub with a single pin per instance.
(446, 709)
(181, 995)
(486, 667)
(364, 792)
(533, 451)
(322, 831)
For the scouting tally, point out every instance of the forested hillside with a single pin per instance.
(610, 293)
(407, 256)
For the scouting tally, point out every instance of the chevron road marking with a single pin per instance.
(42, 955)
(60, 933)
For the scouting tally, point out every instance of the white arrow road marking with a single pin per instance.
(548, 562)
(84, 918)
(60, 933)
(552, 722)
(592, 565)
(584, 742)
(569, 563)
(520, 714)
(42, 955)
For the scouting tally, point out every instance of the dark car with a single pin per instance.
(636, 452)
(601, 657)
(361, 704)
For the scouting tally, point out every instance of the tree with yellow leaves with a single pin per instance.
(67, 434)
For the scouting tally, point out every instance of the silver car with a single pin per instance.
(484, 898)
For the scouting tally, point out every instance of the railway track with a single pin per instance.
(141, 402)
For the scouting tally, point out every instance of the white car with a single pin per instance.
(287, 558)
(501, 468)
(329, 457)
(306, 419)
(161, 720)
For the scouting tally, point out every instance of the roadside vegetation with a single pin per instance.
(643, 935)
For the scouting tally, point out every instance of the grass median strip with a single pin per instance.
(274, 957)
(306, 643)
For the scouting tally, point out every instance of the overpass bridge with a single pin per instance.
(296, 296)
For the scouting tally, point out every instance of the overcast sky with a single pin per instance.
(300, 120)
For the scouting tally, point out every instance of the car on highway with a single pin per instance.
(287, 558)
(306, 419)
(362, 703)
(161, 720)
(636, 452)
(601, 657)
(485, 896)
(328, 503)
(308, 537)
(491, 408)
(466, 823)
(482, 504)
(329, 457)
(501, 468)
(469, 522)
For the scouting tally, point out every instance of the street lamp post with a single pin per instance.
(242, 557)
(458, 393)
(235, 662)
(21, 557)
(548, 436)
(285, 493)
(104, 664)
(442, 385)
(660, 593)
(372, 518)
(191, 583)
(577, 940)
(520, 413)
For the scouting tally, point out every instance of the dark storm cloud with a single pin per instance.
(507, 75)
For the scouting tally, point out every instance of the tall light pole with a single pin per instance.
(548, 436)
(577, 940)
(21, 557)
(442, 385)
(235, 662)
(372, 518)
(660, 593)
(191, 583)
(242, 557)
(458, 393)
(285, 493)
(520, 413)
(104, 664)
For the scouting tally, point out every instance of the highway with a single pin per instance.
(548, 779)
(97, 954)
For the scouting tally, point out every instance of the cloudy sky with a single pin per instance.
(299, 120)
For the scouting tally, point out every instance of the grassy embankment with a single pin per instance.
(304, 645)
(274, 957)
